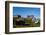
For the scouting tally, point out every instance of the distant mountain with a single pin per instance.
(32, 16)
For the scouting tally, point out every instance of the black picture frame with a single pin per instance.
(7, 16)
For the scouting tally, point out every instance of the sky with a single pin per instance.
(24, 11)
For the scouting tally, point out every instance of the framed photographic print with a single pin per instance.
(24, 17)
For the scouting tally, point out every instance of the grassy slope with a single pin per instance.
(27, 21)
